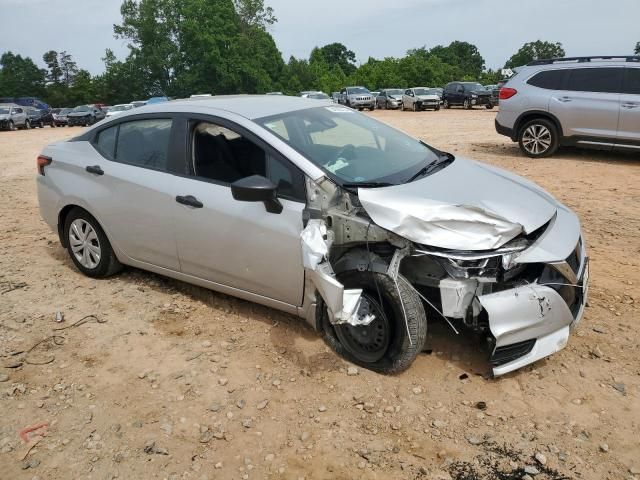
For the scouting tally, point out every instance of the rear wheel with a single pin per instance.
(12, 126)
(27, 125)
(415, 107)
(446, 104)
(391, 342)
(538, 138)
(467, 104)
(88, 246)
(489, 107)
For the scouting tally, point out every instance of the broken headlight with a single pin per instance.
(469, 268)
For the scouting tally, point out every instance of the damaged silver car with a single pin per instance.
(323, 212)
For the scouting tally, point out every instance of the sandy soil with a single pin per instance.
(181, 382)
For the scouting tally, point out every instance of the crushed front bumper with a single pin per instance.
(534, 321)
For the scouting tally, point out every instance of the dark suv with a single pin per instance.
(467, 94)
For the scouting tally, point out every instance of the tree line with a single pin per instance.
(180, 47)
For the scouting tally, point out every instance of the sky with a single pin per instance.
(84, 28)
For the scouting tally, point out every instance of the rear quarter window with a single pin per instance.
(549, 79)
(632, 81)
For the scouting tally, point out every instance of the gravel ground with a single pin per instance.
(175, 381)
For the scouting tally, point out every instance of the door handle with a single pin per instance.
(630, 105)
(189, 200)
(564, 99)
(95, 169)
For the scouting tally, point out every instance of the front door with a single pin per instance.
(233, 243)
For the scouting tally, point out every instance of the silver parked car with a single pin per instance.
(357, 97)
(323, 212)
(585, 101)
(420, 98)
(13, 116)
(390, 98)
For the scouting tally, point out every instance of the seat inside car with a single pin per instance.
(222, 155)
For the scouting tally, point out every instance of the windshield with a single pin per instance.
(4, 111)
(319, 96)
(433, 91)
(472, 87)
(118, 108)
(349, 146)
(395, 91)
(82, 108)
(64, 111)
(357, 90)
(422, 91)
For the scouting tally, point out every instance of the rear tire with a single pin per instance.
(384, 345)
(467, 104)
(538, 138)
(489, 107)
(88, 245)
(446, 105)
(27, 125)
(12, 126)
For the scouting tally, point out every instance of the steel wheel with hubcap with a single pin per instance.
(538, 138)
(88, 245)
(84, 243)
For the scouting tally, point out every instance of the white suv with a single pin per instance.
(584, 101)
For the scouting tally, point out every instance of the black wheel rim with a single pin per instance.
(368, 343)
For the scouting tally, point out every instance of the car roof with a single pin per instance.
(248, 106)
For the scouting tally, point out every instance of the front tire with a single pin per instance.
(88, 246)
(467, 104)
(538, 138)
(415, 107)
(12, 126)
(490, 106)
(389, 344)
(27, 125)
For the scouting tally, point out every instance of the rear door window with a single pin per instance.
(144, 143)
(632, 81)
(601, 80)
(549, 79)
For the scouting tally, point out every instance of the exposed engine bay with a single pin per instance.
(518, 293)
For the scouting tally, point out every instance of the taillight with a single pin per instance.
(42, 162)
(506, 93)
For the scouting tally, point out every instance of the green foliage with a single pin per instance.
(335, 55)
(537, 50)
(20, 76)
(637, 49)
(181, 47)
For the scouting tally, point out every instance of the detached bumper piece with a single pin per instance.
(509, 353)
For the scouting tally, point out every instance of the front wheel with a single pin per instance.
(467, 104)
(12, 126)
(489, 107)
(88, 246)
(538, 138)
(391, 342)
(27, 125)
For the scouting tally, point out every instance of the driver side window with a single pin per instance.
(224, 156)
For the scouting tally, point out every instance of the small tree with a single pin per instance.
(637, 50)
(537, 50)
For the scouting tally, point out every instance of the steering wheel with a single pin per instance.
(347, 152)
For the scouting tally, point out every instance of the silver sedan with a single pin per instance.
(320, 211)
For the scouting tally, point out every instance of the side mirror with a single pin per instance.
(257, 188)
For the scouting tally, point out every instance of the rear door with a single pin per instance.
(233, 243)
(132, 188)
(629, 125)
(588, 104)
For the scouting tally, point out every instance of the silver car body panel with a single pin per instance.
(465, 206)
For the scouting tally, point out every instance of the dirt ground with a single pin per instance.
(178, 382)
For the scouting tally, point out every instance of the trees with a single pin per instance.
(335, 55)
(535, 51)
(20, 76)
(637, 49)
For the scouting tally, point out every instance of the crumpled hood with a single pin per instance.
(465, 206)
